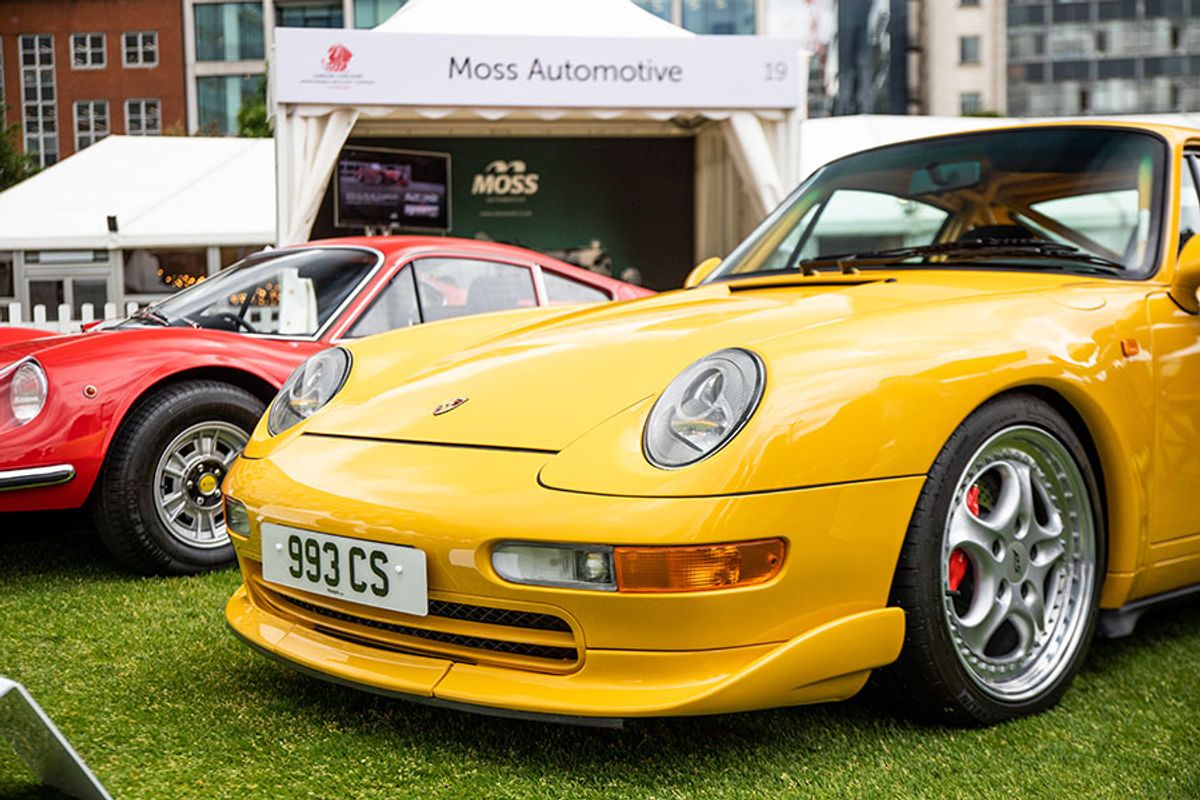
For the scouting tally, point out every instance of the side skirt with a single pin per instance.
(1119, 622)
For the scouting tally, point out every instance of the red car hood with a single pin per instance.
(11, 335)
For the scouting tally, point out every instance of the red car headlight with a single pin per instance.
(26, 388)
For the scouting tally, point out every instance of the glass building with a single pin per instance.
(1103, 57)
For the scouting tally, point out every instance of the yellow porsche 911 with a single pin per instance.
(938, 417)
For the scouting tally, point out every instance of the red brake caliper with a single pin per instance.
(957, 568)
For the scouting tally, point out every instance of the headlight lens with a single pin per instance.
(572, 566)
(703, 408)
(27, 391)
(237, 519)
(310, 387)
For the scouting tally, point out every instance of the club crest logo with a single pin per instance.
(337, 58)
(449, 405)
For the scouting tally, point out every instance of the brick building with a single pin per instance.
(74, 71)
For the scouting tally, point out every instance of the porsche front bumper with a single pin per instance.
(811, 634)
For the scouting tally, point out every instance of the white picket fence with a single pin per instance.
(64, 323)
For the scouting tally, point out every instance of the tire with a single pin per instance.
(157, 503)
(979, 647)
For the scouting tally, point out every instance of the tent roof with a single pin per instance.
(164, 191)
(529, 18)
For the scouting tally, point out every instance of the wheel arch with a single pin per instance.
(255, 384)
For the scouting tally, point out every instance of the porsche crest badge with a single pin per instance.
(449, 405)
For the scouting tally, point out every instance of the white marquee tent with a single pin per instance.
(746, 157)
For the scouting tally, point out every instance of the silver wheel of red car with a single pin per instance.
(1019, 562)
(157, 504)
(999, 573)
(187, 482)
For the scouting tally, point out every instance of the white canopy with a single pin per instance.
(165, 191)
(760, 143)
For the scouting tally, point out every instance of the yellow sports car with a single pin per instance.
(938, 416)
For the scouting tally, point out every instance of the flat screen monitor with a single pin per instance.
(383, 187)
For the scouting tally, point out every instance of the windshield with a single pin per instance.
(1075, 199)
(282, 292)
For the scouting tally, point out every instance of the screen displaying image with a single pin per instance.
(407, 189)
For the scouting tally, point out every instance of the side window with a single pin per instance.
(561, 290)
(394, 307)
(1189, 200)
(456, 287)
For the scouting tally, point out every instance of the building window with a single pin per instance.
(220, 98)
(659, 8)
(968, 3)
(719, 16)
(1101, 41)
(143, 117)
(229, 32)
(162, 271)
(140, 49)
(7, 286)
(37, 102)
(309, 15)
(91, 122)
(87, 51)
(369, 13)
(968, 49)
(970, 103)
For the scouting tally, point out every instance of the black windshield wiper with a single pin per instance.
(970, 250)
(152, 315)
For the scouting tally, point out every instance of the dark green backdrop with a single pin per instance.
(633, 195)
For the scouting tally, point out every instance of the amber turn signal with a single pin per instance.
(697, 568)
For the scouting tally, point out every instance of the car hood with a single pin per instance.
(541, 385)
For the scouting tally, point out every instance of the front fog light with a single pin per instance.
(573, 566)
(237, 519)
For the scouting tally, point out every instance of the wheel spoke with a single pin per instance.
(977, 633)
(967, 533)
(1025, 516)
(174, 504)
(1003, 515)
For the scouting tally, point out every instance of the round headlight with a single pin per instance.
(310, 387)
(27, 391)
(703, 408)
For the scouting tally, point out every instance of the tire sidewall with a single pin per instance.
(929, 530)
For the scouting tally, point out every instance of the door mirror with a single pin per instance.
(701, 271)
(1187, 277)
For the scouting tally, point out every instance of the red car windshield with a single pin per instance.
(283, 292)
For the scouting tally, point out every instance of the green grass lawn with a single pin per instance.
(162, 702)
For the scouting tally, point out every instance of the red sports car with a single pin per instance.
(141, 419)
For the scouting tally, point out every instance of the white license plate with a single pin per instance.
(372, 573)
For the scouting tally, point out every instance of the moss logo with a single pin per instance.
(506, 178)
(337, 58)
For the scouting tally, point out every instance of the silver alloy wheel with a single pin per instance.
(1018, 565)
(187, 482)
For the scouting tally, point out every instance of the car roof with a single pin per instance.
(392, 246)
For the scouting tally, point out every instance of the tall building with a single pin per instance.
(960, 54)
(227, 41)
(74, 71)
(1103, 57)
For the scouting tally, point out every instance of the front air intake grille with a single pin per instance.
(498, 616)
(549, 653)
